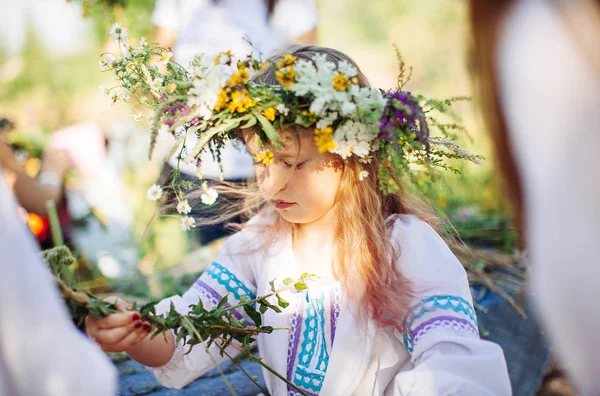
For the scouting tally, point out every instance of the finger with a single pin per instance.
(117, 320)
(120, 304)
(114, 336)
(128, 342)
(133, 339)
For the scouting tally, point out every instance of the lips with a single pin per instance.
(280, 204)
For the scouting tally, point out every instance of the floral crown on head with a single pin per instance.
(214, 100)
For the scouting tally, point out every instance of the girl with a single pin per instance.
(391, 312)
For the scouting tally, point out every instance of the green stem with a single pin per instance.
(57, 236)
(217, 365)
(247, 302)
(245, 372)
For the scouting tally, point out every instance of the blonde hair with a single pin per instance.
(366, 259)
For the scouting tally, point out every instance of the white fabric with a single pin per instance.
(364, 359)
(41, 352)
(551, 96)
(210, 27)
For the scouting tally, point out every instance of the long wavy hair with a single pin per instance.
(366, 259)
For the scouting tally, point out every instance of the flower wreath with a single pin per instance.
(214, 100)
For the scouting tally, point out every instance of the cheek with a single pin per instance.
(319, 188)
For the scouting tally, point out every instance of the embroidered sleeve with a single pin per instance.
(223, 277)
(216, 282)
(451, 313)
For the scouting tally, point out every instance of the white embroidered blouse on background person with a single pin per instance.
(328, 350)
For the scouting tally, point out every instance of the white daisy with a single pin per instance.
(114, 97)
(209, 197)
(282, 109)
(157, 84)
(104, 90)
(187, 223)
(154, 193)
(363, 175)
(166, 58)
(184, 207)
(143, 42)
(118, 32)
(366, 159)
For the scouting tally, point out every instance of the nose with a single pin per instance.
(274, 179)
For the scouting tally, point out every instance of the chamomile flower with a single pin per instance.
(143, 42)
(282, 109)
(154, 192)
(166, 58)
(184, 207)
(104, 90)
(187, 223)
(209, 197)
(118, 32)
(157, 84)
(366, 159)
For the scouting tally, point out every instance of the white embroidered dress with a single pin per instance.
(328, 350)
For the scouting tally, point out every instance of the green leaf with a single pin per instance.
(300, 286)
(263, 308)
(222, 302)
(255, 316)
(250, 123)
(282, 303)
(272, 284)
(267, 128)
(288, 281)
(198, 308)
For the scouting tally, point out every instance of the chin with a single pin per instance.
(292, 216)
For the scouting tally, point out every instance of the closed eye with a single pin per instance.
(298, 165)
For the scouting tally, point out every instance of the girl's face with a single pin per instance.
(304, 193)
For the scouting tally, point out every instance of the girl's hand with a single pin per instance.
(119, 331)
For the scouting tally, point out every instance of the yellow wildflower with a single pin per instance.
(266, 157)
(324, 139)
(264, 65)
(240, 101)
(286, 77)
(341, 82)
(241, 77)
(289, 59)
(269, 113)
(171, 87)
(222, 100)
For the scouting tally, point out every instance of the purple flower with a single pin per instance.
(407, 117)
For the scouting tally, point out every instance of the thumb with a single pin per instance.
(120, 304)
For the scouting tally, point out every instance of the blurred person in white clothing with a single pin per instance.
(41, 351)
(538, 64)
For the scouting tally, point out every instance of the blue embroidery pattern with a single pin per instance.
(231, 282)
(313, 358)
(431, 304)
(308, 340)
